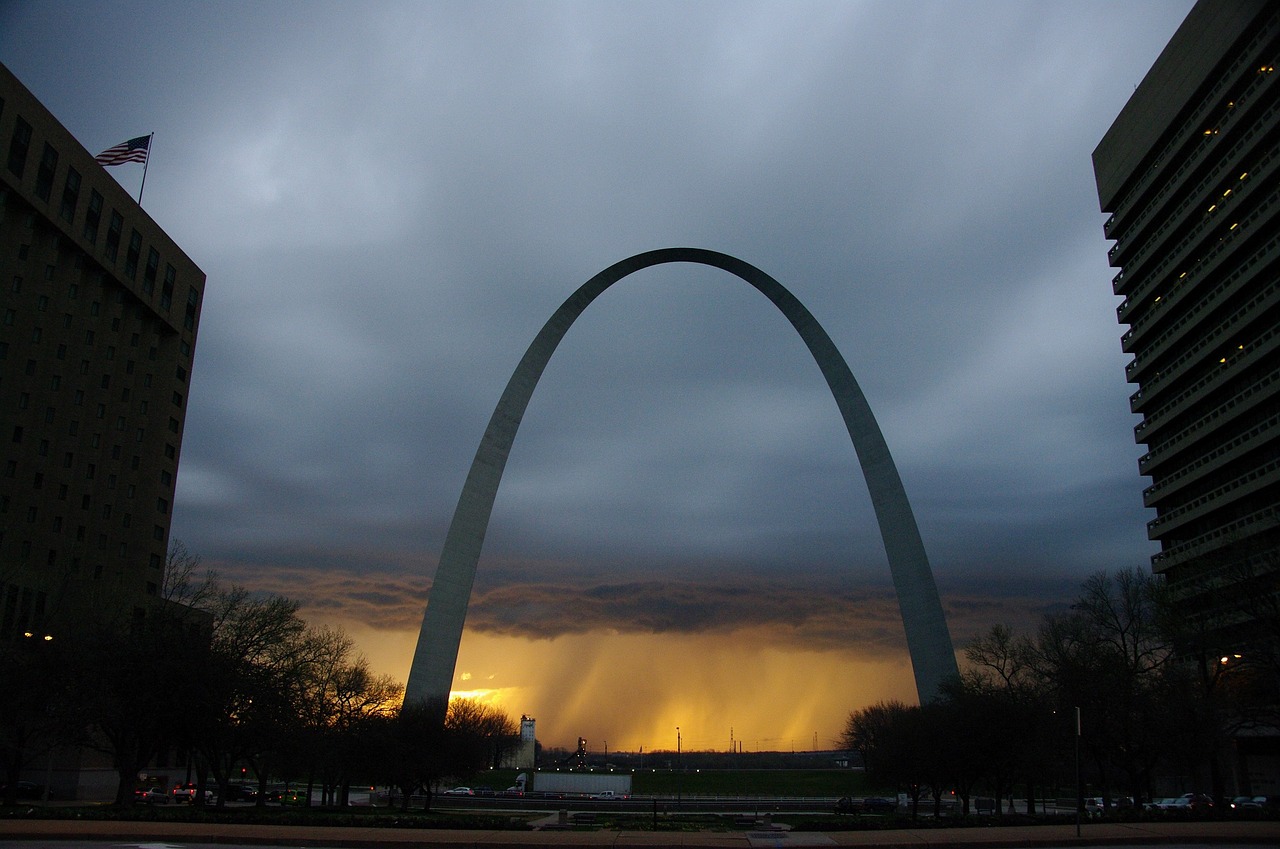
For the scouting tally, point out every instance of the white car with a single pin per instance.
(151, 796)
(460, 791)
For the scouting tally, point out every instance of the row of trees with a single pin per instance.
(1154, 696)
(231, 681)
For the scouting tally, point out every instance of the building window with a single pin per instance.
(114, 229)
(19, 144)
(166, 292)
(133, 255)
(44, 174)
(70, 196)
(92, 216)
(149, 275)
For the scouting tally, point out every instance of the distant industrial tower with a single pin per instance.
(1190, 172)
(98, 317)
(525, 753)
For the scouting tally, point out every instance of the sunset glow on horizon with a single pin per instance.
(633, 690)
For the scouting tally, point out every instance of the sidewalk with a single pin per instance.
(1092, 834)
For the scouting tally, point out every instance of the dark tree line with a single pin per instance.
(1155, 696)
(230, 681)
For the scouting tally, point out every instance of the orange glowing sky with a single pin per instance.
(633, 690)
(630, 690)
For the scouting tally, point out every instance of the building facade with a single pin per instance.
(99, 310)
(1190, 174)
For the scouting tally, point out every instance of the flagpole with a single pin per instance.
(145, 163)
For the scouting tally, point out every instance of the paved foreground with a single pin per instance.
(149, 834)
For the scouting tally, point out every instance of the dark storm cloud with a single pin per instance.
(809, 614)
(390, 199)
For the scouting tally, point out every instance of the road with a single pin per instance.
(100, 834)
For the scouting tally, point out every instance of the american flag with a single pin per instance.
(133, 150)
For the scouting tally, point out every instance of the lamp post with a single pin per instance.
(1079, 789)
(679, 767)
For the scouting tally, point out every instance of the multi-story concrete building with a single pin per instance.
(98, 317)
(1190, 173)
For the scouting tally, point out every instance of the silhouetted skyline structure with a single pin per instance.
(100, 313)
(1190, 172)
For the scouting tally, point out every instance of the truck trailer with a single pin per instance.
(608, 785)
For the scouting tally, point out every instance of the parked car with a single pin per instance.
(242, 791)
(24, 790)
(1195, 801)
(1244, 804)
(151, 796)
(879, 805)
(460, 791)
(294, 796)
(187, 793)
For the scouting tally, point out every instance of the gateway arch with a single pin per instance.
(928, 640)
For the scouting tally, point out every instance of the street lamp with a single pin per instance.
(1079, 789)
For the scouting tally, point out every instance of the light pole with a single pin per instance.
(1079, 789)
(679, 767)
